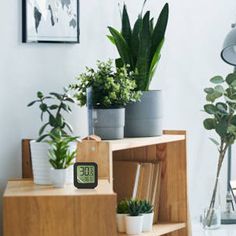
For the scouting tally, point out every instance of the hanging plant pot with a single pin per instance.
(109, 123)
(144, 118)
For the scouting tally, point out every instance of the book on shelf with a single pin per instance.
(138, 181)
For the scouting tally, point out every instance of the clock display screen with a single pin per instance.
(86, 174)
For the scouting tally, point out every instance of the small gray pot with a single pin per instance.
(109, 123)
(144, 118)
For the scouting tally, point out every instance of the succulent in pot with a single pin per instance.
(111, 91)
(61, 157)
(134, 219)
(148, 214)
(140, 48)
(53, 107)
(121, 212)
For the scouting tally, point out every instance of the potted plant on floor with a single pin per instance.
(61, 157)
(140, 48)
(111, 91)
(52, 107)
(148, 214)
(134, 220)
(221, 108)
(122, 211)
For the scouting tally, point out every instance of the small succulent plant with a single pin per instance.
(122, 207)
(146, 207)
(134, 207)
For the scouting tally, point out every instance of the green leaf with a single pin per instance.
(126, 29)
(210, 109)
(220, 89)
(233, 120)
(53, 107)
(209, 124)
(222, 107)
(214, 141)
(41, 138)
(122, 46)
(160, 29)
(39, 95)
(57, 95)
(135, 40)
(111, 39)
(43, 107)
(209, 90)
(230, 78)
(143, 64)
(217, 80)
(32, 103)
(43, 128)
(222, 127)
(211, 97)
(119, 63)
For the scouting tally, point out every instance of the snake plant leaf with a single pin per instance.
(135, 40)
(143, 65)
(122, 46)
(126, 28)
(151, 25)
(160, 28)
(156, 56)
(111, 39)
(152, 72)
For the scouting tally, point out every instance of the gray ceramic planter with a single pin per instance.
(109, 123)
(144, 118)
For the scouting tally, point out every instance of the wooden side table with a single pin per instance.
(33, 210)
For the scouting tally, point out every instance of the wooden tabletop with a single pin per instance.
(19, 188)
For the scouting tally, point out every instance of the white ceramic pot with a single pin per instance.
(134, 224)
(120, 221)
(147, 222)
(58, 177)
(40, 164)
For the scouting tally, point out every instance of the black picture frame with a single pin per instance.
(25, 30)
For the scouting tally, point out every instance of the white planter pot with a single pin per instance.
(58, 177)
(134, 224)
(40, 164)
(120, 221)
(147, 222)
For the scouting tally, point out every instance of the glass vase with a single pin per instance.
(211, 217)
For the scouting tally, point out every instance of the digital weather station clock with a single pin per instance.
(85, 175)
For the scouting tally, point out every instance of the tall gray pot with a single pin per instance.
(144, 118)
(109, 123)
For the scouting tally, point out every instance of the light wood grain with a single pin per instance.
(27, 188)
(161, 229)
(128, 143)
(54, 213)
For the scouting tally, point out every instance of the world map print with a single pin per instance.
(52, 20)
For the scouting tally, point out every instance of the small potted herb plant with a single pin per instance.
(122, 211)
(148, 214)
(52, 107)
(61, 157)
(134, 219)
(140, 48)
(111, 92)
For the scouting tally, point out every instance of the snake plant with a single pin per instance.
(140, 46)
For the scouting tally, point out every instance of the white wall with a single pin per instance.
(190, 58)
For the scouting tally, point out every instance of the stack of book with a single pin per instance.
(138, 181)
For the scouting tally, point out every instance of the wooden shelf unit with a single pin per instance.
(170, 149)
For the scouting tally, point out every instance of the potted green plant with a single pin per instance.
(148, 214)
(121, 212)
(61, 157)
(111, 91)
(140, 48)
(52, 107)
(134, 219)
(221, 109)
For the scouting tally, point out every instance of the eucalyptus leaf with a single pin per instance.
(217, 80)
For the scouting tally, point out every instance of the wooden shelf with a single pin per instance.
(21, 188)
(161, 229)
(128, 143)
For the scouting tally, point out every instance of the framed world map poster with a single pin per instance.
(51, 21)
